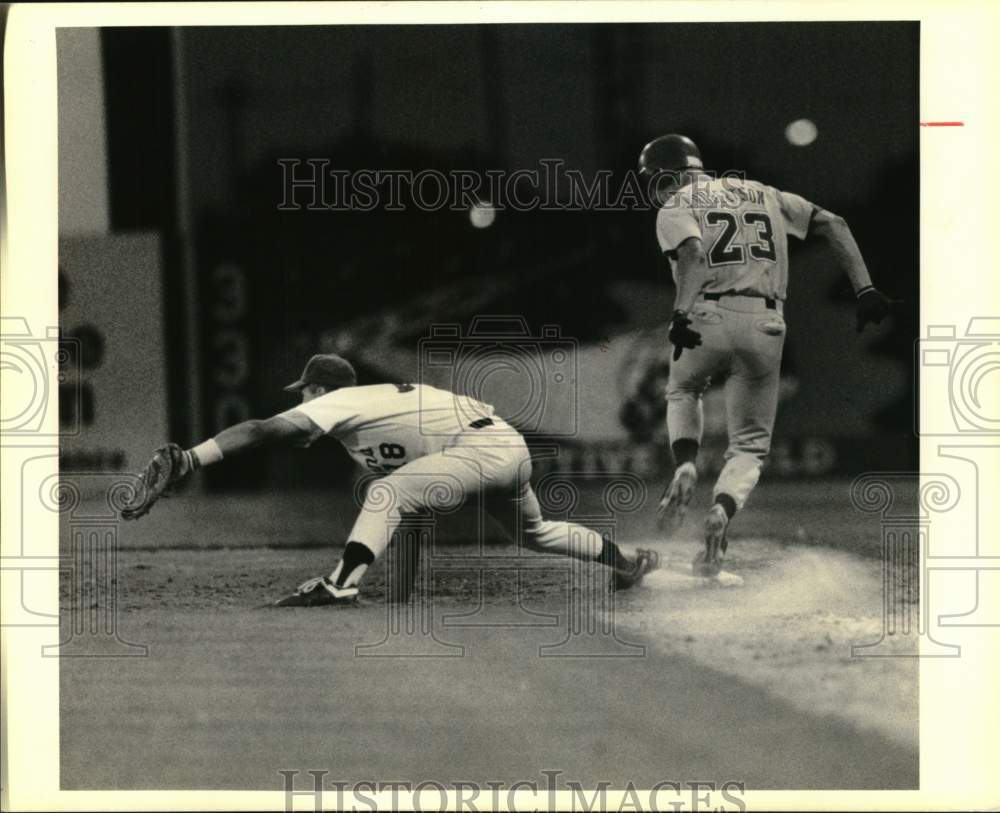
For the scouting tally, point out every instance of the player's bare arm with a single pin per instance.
(257, 434)
(692, 271)
(873, 305)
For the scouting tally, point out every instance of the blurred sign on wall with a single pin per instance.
(111, 316)
(83, 151)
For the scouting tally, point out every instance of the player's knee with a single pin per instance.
(756, 445)
(542, 534)
(682, 400)
(391, 495)
(683, 390)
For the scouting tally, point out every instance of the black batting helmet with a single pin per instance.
(669, 153)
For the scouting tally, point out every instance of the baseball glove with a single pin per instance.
(170, 465)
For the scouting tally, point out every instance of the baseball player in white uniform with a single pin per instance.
(429, 447)
(726, 240)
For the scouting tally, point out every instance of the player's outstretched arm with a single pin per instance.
(255, 434)
(873, 305)
(170, 464)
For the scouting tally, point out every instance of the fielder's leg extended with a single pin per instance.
(516, 508)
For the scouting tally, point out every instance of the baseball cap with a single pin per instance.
(327, 370)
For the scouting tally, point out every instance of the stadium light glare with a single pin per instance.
(482, 215)
(801, 132)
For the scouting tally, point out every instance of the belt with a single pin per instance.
(770, 303)
(481, 423)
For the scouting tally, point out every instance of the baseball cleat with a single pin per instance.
(709, 561)
(630, 574)
(319, 592)
(673, 505)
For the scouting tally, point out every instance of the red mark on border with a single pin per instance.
(942, 124)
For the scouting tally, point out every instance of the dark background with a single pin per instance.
(505, 97)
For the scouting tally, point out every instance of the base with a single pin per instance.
(681, 577)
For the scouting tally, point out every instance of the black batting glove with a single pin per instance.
(681, 335)
(873, 306)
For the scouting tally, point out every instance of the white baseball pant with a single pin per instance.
(493, 461)
(741, 338)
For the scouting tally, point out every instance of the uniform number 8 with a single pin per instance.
(391, 451)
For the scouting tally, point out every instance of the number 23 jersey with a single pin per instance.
(744, 226)
(385, 426)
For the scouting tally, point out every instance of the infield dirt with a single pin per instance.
(755, 684)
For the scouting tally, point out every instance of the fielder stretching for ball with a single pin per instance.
(433, 449)
(727, 243)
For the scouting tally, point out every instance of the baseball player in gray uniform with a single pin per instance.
(429, 448)
(726, 240)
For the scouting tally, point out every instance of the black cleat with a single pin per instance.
(630, 574)
(319, 592)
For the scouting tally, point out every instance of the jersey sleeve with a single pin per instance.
(326, 415)
(797, 213)
(674, 225)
